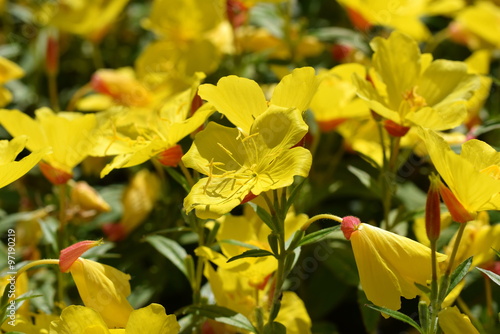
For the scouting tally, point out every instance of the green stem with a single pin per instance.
(187, 174)
(32, 264)
(53, 92)
(460, 233)
(319, 217)
(434, 308)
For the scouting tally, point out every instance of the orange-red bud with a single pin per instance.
(358, 20)
(54, 175)
(171, 156)
(433, 210)
(349, 225)
(115, 231)
(327, 126)
(248, 198)
(52, 55)
(70, 254)
(395, 129)
(457, 211)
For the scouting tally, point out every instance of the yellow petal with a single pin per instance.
(240, 100)
(76, 319)
(152, 319)
(113, 288)
(11, 170)
(9, 71)
(390, 264)
(452, 321)
(296, 90)
(293, 314)
(397, 61)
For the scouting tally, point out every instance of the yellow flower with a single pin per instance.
(193, 38)
(411, 89)
(389, 265)
(479, 63)
(336, 100)
(79, 17)
(478, 26)
(68, 134)
(402, 15)
(101, 287)
(473, 176)
(137, 135)
(11, 170)
(242, 100)
(478, 240)
(31, 323)
(249, 229)
(138, 201)
(151, 319)
(452, 321)
(233, 291)
(237, 163)
(8, 71)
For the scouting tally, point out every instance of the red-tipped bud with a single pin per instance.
(52, 55)
(457, 211)
(70, 254)
(171, 156)
(196, 103)
(54, 175)
(433, 210)
(248, 198)
(327, 126)
(349, 225)
(237, 13)
(358, 20)
(341, 52)
(394, 129)
(114, 231)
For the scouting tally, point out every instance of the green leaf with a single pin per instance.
(274, 328)
(251, 253)
(179, 178)
(396, 315)
(223, 315)
(265, 216)
(459, 273)
(496, 251)
(293, 194)
(238, 243)
(494, 277)
(423, 288)
(5, 302)
(318, 235)
(371, 319)
(171, 250)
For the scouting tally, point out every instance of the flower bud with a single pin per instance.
(395, 129)
(54, 175)
(171, 156)
(457, 210)
(433, 210)
(87, 198)
(70, 254)
(349, 225)
(52, 55)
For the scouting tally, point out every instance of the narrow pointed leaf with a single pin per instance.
(423, 288)
(179, 178)
(318, 235)
(251, 253)
(171, 250)
(265, 216)
(494, 277)
(223, 315)
(397, 315)
(459, 273)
